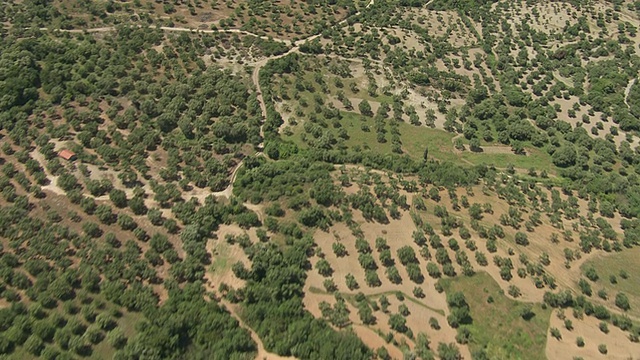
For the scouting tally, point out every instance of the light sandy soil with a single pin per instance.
(617, 342)
(438, 24)
(529, 293)
(627, 90)
(551, 19)
(539, 243)
(408, 39)
(285, 115)
(550, 16)
(577, 121)
(483, 65)
(612, 27)
(418, 322)
(228, 191)
(398, 233)
(224, 255)
(4, 304)
(421, 99)
(367, 334)
(53, 180)
(205, 17)
(257, 209)
(531, 53)
(360, 74)
(460, 69)
(226, 62)
(99, 173)
(374, 341)
(422, 104)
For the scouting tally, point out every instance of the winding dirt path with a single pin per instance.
(175, 29)
(52, 186)
(263, 354)
(627, 91)
(228, 191)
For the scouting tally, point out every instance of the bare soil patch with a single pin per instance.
(617, 342)
(224, 255)
(398, 233)
(445, 24)
(374, 341)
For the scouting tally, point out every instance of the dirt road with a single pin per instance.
(627, 90)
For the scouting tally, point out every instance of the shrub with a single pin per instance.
(116, 338)
(591, 274)
(34, 345)
(603, 327)
(522, 239)
(602, 348)
(622, 301)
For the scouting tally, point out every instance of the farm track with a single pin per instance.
(627, 91)
(262, 354)
(174, 29)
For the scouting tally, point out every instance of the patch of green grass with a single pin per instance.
(221, 262)
(353, 123)
(406, 297)
(440, 146)
(613, 264)
(103, 350)
(371, 297)
(416, 138)
(21, 354)
(316, 290)
(498, 326)
(127, 323)
(535, 158)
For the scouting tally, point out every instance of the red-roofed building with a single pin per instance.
(67, 155)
